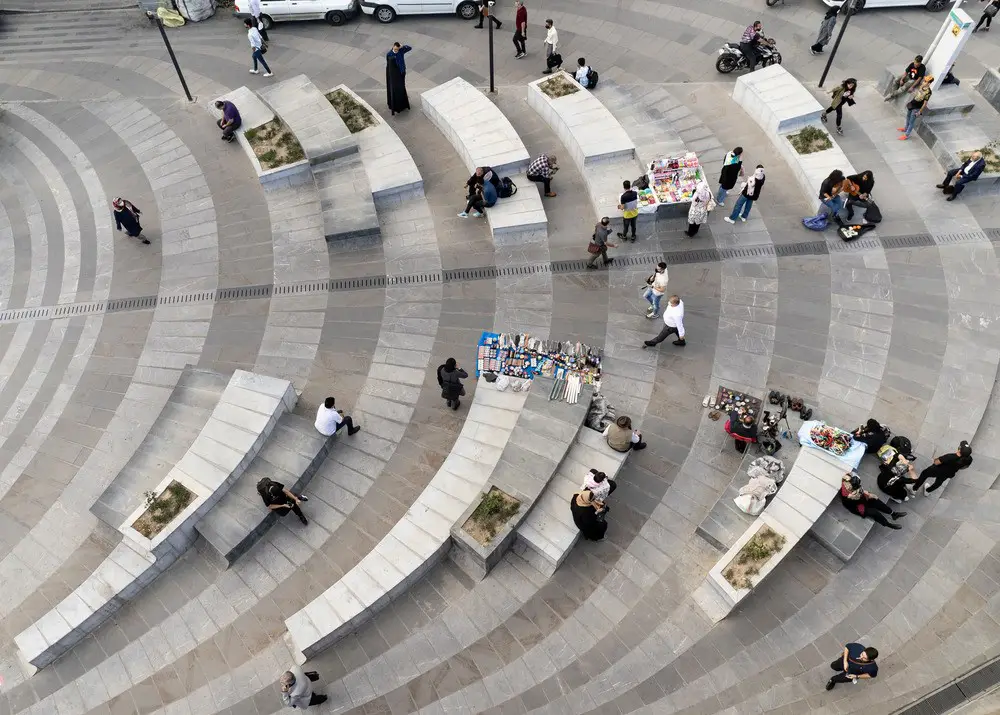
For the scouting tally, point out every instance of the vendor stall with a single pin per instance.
(672, 182)
(521, 356)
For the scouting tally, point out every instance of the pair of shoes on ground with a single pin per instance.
(945, 186)
(475, 214)
(650, 314)
(606, 263)
(266, 74)
(730, 220)
(649, 343)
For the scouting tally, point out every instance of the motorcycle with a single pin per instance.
(731, 57)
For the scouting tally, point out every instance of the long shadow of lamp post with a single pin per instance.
(848, 9)
(173, 58)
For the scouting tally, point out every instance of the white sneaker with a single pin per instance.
(926, 487)
(728, 220)
(476, 214)
(254, 71)
(743, 219)
(269, 74)
(463, 215)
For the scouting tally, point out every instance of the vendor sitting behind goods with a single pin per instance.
(621, 437)
(743, 429)
(872, 434)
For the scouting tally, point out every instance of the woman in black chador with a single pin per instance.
(395, 78)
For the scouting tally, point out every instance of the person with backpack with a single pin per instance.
(281, 501)
(944, 468)
(750, 193)
(732, 171)
(628, 204)
(585, 75)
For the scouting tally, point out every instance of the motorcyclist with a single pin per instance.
(752, 36)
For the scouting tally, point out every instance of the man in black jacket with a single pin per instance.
(865, 181)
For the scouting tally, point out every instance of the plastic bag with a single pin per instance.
(750, 504)
(196, 10)
(169, 18)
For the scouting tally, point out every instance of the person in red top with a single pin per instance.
(520, 29)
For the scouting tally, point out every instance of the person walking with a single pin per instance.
(656, 286)
(395, 78)
(944, 468)
(916, 106)
(520, 29)
(628, 203)
(865, 504)
(750, 193)
(826, 26)
(551, 45)
(701, 203)
(969, 171)
(989, 12)
(230, 121)
(257, 48)
(599, 244)
(856, 663)
(330, 420)
(280, 500)
(909, 80)
(450, 377)
(254, 7)
(296, 688)
(841, 95)
(127, 219)
(542, 170)
(673, 324)
(484, 12)
(732, 171)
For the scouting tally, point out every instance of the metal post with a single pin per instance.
(833, 52)
(489, 21)
(173, 58)
(940, 34)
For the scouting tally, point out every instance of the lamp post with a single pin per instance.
(489, 22)
(849, 4)
(173, 58)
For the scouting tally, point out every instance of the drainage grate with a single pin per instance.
(917, 241)
(954, 694)
(354, 283)
(810, 248)
(244, 293)
(119, 304)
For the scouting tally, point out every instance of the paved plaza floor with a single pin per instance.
(95, 329)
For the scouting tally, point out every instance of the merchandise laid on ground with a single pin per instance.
(672, 180)
(521, 356)
(728, 400)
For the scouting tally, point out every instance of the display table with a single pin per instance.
(672, 183)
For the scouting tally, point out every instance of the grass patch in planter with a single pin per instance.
(355, 115)
(161, 509)
(754, 554)
(810, 140)
(274, 144)
(992, 159)
(558, 86)
(495, 509)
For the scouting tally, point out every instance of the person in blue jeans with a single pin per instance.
(256, 48)
(829, 194)
(915, 107)
(856, 663)
(749, 194)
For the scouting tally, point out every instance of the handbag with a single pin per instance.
(263, 47)
(990, 10)
(593, 246)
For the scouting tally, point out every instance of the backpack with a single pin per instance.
(872, 213)
(902, 445)
(887, 454)
(507, 188)
(592, 77)
(263, 487)
(819, 222)
(641, 183)
(554, 60)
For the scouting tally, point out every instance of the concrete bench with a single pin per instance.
(291, 456)
(312, 119)
(390, 168)
(812, 483)
(781, 105)
(346, 199)
(548, 534)
(421, 538)
(483, 136)
(597, 143)
(244, 417)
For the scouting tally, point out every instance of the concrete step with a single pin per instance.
(346, 199)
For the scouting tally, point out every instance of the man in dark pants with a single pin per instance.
(280, 500)
(484, 12)
(673, 324)
(231, 119)
(855, 663)
(970, 170)
(600, 239)
(520, 29)
(542, 170)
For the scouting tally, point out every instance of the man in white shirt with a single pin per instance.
(551, 44)
(582, 72)
(256, 45)
(673, 323)
(329, 419)
(254, 8)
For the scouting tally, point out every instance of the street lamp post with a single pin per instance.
(489, 22)
(849, 5)
(173, 57)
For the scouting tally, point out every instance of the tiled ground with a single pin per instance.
(91, 110)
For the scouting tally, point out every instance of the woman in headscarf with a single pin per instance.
(701, 203)
(872, 434)
(732, 170)
(395, 77)
(127, 218)
(825, 30)
(585, 516)
(750, 193)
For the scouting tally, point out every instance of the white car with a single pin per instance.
(386, 10)
(859, 5)
(335, 12)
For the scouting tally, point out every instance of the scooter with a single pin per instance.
(731, 57)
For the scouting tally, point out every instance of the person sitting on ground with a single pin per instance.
(897, 477)
(330, 420)
(908, 81)
(582, 72)
(872, 434)
(743, 430)
(450, 377)
(127, 218)
(588, 516)
(865, 504)
(476, 204)
(621, 437)
(280, 500)
(542, 170)
(599, 486)
(230, 121)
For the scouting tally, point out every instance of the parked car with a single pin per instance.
(335, 12)
(387, 10)
(859, 5)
